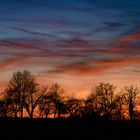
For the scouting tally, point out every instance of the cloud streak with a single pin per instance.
(33, 32)
(95, 67)
(71, 39)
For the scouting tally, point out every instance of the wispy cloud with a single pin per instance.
(78, 39)
(95, 67)
(30, 32)
(109, 26)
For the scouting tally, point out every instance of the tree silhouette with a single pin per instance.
(11, 102)
(46, 105)
(92, 103)
(20, 89)
(33, 99)
(130, 95)
(102, 98)
(73, 106)
(55, 99)
(4, 108)
(24, 95)
(120, 110)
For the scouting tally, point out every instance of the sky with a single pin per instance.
(77, 43)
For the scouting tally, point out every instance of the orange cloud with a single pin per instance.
(131, 37)
(124, 45)
(73, 57)
(16, 61)
(95, 67)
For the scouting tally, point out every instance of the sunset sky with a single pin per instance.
(77, 43)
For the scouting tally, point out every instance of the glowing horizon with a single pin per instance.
(76, 43)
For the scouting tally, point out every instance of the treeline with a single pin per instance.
(24, 97)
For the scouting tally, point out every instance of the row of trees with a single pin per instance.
(24, 97)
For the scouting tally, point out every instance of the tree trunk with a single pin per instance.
(55, 114)
(131, 111)
(21, 113)
(59, 114)
(31, 114)
(15, 114)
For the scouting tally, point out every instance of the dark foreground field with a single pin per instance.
(43, 129)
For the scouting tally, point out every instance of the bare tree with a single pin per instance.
(56, 99)
(131, 95)
(11, 101)
(119, 110)
(45, 106)
(92, 102)
(4, 109)
(102, 99)
(20, 87)
(33, 99)
(73, 106)
(23, 93)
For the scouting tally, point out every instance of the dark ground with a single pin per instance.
(43, 129)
